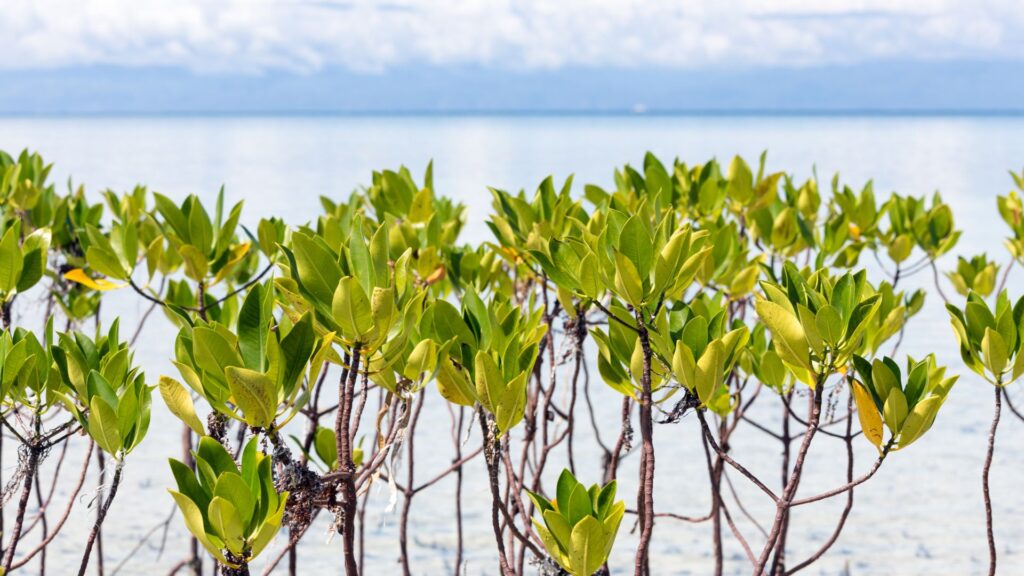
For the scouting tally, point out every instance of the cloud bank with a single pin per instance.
(307, 36)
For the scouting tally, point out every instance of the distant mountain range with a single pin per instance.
(867, 88)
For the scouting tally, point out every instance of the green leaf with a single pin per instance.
(627, 281)
(606, 499)
(787, 333)
(490, 385)
(559, 528)
(900, 248)
(361, 263)
(709, 374)
(254, 321)
(993, 347)
(422, 360)
(636, 244)
(269, 528)
(231, 487)
(383, 311)
(684, 366)
(194, 522)
(895, 410)
(105, 262)
(179, 402)
(453, 384)
(830, 324)
(226, 521)
(103, 426)
(588, 544)
(590, 283)
(511, 408)
(213, 351)
(316, 267)
(919, 420)
(326, 445)
(215, 456)
(883, 379)
(351, 309)
(254, 393)
(196, 264)
(10, 260)
(579, 505)
(563, 489)
(422, 206)
(199, 227)
(296, 348)
(33, 268)
(551, 544)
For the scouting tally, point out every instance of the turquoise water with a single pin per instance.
(921, 514)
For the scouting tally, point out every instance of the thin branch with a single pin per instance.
(728, 459)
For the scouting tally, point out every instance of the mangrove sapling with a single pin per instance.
(111, 401)
(578, 528)
(168, 238)
(233, 510)
(644, 287)
(487, 365)
(27, 384)
(990, 345)
(514, 224)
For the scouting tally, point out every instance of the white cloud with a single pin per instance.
(308, 35)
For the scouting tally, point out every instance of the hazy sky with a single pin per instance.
(215, 36)
(338, 55)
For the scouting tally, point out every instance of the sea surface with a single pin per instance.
(921, 514)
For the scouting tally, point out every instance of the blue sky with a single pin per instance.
(450, 55)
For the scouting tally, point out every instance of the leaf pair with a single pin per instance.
(705, 375)
(229, 508)
(578, 528)
(247, 375)
(906, 407)
(991, 339)
(817, 323)
(22, 263)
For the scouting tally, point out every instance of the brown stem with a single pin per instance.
(491, 458)
(409, 491)
(622, 444)
(41, 505)
(342, 426)
(984, 482)
(580, 333)
(849, 496)
(100, 516)
(67, 512)
(458, 493)
(101, 461)
(786, 439)
(730, 461)
(31, 465)
(645, 496)
(783, 504)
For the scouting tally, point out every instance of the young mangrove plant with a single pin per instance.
(718, 299)
(233, 510)
(578, 528)
(990, 345)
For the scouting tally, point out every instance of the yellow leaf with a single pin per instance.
(101, 284)
(870, 420)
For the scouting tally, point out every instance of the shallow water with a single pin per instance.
(921, 514)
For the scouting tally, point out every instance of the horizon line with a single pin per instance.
(499, 112)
